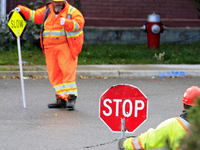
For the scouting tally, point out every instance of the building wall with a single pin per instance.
(132, 13)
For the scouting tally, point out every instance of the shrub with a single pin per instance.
(32, 33)
(192, 141)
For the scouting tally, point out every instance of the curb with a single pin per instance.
(116, 71)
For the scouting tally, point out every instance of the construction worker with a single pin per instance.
(61, 41)
(170, 132)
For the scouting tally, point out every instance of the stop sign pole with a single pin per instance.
(123, 108)
(122, 128)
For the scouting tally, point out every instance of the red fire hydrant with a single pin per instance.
(153, 27)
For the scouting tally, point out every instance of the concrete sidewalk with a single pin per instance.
(112, 71)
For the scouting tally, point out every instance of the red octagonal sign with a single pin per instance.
(123, 102)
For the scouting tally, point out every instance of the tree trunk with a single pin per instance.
(78, 5)
(196, 4)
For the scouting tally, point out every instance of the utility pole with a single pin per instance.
(2, 13)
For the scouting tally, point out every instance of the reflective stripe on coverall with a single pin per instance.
(168, 132)
(61, 52)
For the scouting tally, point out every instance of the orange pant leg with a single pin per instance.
(61, 70)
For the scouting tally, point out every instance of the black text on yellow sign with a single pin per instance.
(16, 22)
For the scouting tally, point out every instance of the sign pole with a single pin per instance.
(122, 128)
(21, 70)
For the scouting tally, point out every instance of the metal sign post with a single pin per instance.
(17, 26)
(122, 128)
(21, 69)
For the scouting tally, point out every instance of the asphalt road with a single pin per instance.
(39, 128)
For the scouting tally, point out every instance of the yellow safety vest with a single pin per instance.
(168, 132)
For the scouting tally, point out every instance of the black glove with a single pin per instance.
(121, 143)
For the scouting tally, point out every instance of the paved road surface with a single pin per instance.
(40, 128)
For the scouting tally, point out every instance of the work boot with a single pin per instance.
(60, 103)
(71, 102)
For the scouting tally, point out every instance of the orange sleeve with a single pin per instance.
(39, 15)
(33, 15)
(25, 11)
(78, 18)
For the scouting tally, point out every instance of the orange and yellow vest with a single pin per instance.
(53, 32)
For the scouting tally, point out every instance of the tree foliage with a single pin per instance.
(192, 141)
(33, 28)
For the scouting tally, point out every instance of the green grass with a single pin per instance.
(29, 52)
(110, 54)
(140, 54)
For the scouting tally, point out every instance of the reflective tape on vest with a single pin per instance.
(137, 144)
(61, 33)
(76, 26)
(70, 11)
(53, 33)
(57, 33)
(186, 125)
(74, 34)
(32, 16)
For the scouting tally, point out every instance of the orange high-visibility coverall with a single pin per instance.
(61, 53)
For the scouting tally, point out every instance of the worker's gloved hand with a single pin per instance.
(62, 21)
(121, 143)
(17, 9)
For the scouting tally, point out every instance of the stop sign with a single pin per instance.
(123, 102)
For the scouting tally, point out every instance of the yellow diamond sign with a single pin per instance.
(17, 22)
